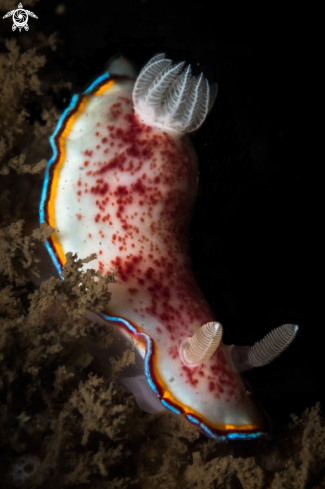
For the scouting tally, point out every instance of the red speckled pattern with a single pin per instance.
(151, 212)
(126, 192)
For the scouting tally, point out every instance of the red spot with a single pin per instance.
(79, 216)
(125, 99)
(97, 217)
(173, 352)
(116, 162)
(89, 235)
(133, 291)
(190, 375)
(104, 140)
(127, 267)
(86, 163)
(121, 191)
(116, 110)
(211, 386)
(139, 187)
(100, 188)
(100, 252)
(149, 273)
(88, 153)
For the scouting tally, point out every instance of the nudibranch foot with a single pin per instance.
(122, 184)
(129, 372)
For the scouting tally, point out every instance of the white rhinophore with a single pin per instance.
(168, 96)
(272, 345)
(265, 350)
(202, 345)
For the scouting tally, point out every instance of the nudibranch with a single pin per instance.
(122, 183)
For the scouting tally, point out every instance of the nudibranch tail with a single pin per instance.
(265, 350)
(164, 95)
(120, 66)
(203, 344)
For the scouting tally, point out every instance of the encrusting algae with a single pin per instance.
(63, 423)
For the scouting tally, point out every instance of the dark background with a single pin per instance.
(255, 235)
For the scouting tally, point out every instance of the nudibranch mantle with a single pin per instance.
(124, 189)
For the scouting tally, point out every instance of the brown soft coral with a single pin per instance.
(17, 252)
(18, 76)
(40, 356)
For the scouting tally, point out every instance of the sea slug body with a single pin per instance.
(122, 183)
